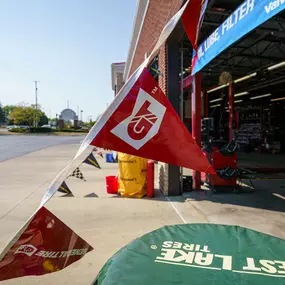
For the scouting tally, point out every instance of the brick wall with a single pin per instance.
(157, 15)
(162, 173)
(162, 65)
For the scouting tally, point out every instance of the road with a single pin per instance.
(14, 146)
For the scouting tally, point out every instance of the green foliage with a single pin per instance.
(22, 116)
(89, 124)
(25, 115)
(41, 130)
(8, 109)
(43, 119)
(73, 130)
(18, 130)
(67, 124)
(2, 115)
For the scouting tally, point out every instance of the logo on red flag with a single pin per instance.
(51, 246)
(144, 122)
(141, 124)
(27, 249)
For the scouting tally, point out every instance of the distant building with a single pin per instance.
(117, 76)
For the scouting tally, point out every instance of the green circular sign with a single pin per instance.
(198, 254)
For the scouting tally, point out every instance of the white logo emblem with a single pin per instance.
(27, 249)
(144, 122)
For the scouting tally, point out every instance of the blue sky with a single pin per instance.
(68, 45)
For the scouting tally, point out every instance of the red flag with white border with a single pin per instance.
(192, 19)
(145, 124)
(47, 245)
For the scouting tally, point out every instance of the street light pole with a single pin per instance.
(81, 117)
(36, 107)
(56, 122)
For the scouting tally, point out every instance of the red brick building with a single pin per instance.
(242, 62)
(151, 17)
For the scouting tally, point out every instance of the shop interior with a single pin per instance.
(253, 71)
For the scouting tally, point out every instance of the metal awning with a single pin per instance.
(259, 49)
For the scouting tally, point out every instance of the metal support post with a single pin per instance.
(196, 121)
(231, 111)
(206, 104)
(181, 103)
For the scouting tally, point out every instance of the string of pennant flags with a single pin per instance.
(140, 121)
(90, 160)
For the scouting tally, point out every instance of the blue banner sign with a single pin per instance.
(248, 16)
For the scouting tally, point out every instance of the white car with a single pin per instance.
(13, 127)
(46, 126)
(24, 127)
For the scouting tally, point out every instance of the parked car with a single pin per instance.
(46, 126)
(13, 127)
(24, 127)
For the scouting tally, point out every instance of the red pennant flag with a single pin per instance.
(192, 19)
(145, 124)
(47, 245)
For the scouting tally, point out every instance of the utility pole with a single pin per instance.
(36, 107)
(81, 117)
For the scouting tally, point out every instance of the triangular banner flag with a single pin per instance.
(192, 19)
(146, 125)
(91, 160)
(78, 174)
(47, 245)
(68, 195)
(64, 188)
(99, 152)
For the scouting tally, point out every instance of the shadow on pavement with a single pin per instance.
(158, 196)
(269, 195)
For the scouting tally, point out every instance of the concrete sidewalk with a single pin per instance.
(109, 222)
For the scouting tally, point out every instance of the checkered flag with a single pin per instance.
(78, 174)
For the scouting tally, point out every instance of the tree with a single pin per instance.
(6, 111)
(89, 124)
(2, 115)
(43, 119)
(24, 115)
(67, 124)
